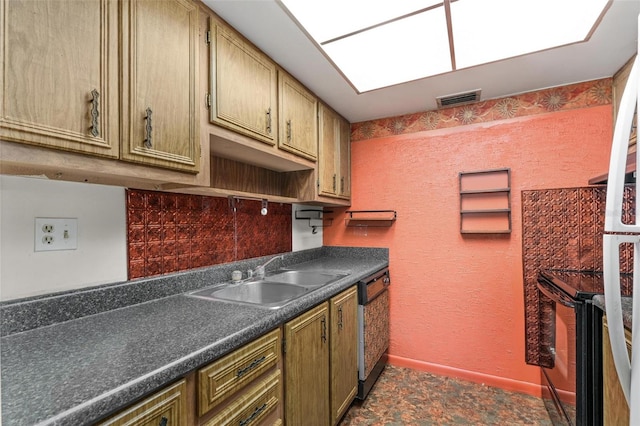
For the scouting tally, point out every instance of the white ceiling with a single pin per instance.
(265, 23)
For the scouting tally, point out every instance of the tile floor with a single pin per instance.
(403, 397)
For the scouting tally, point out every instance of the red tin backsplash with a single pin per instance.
(562, 229)
(169, 232)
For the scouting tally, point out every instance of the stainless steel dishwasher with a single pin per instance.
(373, 329)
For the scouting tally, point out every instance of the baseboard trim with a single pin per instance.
(534, 389)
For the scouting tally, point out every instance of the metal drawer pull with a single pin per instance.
(324, 329)
(289, 130)
(148, 142)
(251, 366)
(340, 317)
(253, 415)
(269, 120)
(163, 421)
(342, 185)
(95, 113)
(334, 182)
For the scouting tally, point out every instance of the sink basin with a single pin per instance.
(271, 292)
(306, 279)
(264, 293)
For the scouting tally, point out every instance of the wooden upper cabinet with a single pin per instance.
(328, 152)
(244, 86)
(345, 158)
(334, 164)
(60, 74)
(298, 110)
(160, 78)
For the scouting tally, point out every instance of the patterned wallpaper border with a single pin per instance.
(580, 95)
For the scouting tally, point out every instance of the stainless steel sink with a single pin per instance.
(264, 293)
(307, 279)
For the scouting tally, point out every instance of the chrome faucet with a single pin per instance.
(259, 271)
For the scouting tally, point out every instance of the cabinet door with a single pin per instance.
(615, 407)
(60, 74)
(334, 154)
(244, 86)
(298, 124)
(307, 368)
(328, 155)
(344, 352)
(345, 158)
(159, 59)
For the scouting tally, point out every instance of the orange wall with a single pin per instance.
(457, 304)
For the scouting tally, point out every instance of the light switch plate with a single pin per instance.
(55, 234)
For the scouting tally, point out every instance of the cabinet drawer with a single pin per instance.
(230, 373)
(167, 408)
(251, 407)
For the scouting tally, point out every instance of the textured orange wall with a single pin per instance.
(457, 304)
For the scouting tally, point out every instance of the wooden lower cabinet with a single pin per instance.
(615, 408)
(320, 362)
(344, 352)
(252, 406)
(167, 408)
(224, 377)
(243, 387)
(306, 363)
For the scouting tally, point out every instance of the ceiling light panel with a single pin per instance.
(379, 43)
(328, 19)
(490, 30)
(405, 50)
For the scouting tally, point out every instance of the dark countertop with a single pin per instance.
(627, 308)
(82, 370)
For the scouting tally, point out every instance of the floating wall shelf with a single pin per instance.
(376, 218)
(485, 202)
(317, 215)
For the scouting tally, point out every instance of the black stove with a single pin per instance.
(570, 342)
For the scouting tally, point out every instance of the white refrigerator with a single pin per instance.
(616, 233)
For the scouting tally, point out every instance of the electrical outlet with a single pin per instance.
(56, 234)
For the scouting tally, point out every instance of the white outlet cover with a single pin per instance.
(55, 234)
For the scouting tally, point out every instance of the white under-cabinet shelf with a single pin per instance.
(315, 217)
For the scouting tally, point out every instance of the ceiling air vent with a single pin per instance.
(458, 98)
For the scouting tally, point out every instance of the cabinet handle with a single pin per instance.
(148, 142)
(340, 317)
(324, 329)
(289, 130)
(253, 415)
(163, 421)
(269, 120)
(95, 113)
(342, 185)
(334, 182)
(251, 366)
